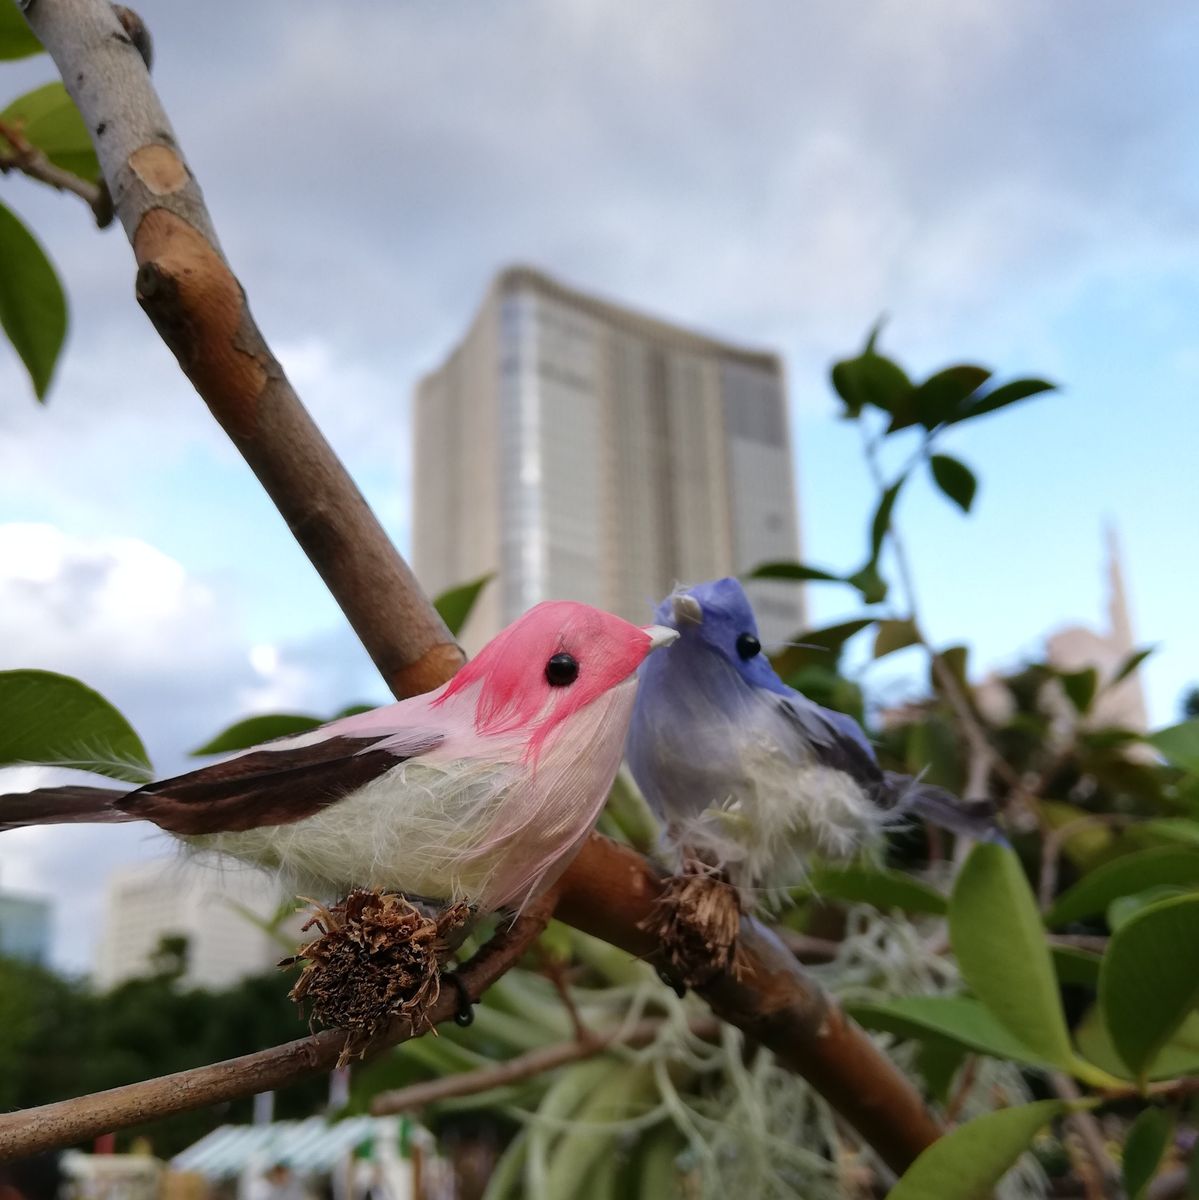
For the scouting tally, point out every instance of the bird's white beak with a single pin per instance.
(686, 610)
(660, 635)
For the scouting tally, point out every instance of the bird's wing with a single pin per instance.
(837, 741)
(276, 784)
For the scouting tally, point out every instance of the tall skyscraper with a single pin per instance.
(585, 451)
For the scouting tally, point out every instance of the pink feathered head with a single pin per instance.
(547, 665)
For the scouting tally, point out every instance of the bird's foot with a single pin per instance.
(466, 1006)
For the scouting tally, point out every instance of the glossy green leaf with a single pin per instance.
(870, 583)
(1149, 983)
(961, 1019)
(1179, 743)
(878, 886)
(942, 395)
(1143, 1149)
(1123, 909)
(999, 941)
(1179, 1056)
(882, 517)
(870, 379)
(955, 479)
(1130, 664)
(791, 570)
(455, 604)
(1122, 877)
(17, 40)
(54, 720)
(1001, 397)
(894, 635)
(818, 647)
(252, 731)
(48, 119)
(968, 1162)
(33, 308)
(1080, 688)
(1174, 829)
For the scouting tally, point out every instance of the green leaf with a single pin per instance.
(54, 720)
(48, 119)
(33, 309)
(1179, 1056)
(870, 379)
(254, 730)
(1121, 911)
(968, 1162)
(1001, 397)
(818, 647)
(352, 710)
(875, 885)
(942, 395)
(455, 604)
(1122, 877)
(1130, 664)
(955, 479)
(961, 1019)
(1179, 744)
(17, 40)
(791, 570)
(1173, 829)
(870, 583)
(1149, 983)
(1080, 688)
(895, 635)
(999, 941)
(882, 518)
(1143, 1149)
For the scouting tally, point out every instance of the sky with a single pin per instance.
(1011, 184)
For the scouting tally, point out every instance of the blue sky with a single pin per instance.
(1012, 184)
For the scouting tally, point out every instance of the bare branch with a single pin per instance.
(71, 1121)
(199, 308)
(25, 157)
(526, 1066)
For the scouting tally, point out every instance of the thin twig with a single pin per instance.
(526, 1066)
(71, 1121)
(1054, 842)
(31, 161)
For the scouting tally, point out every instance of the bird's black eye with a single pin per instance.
(561, 670)
(748, 645)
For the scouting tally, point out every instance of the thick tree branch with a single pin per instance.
(71, 1121)
(199, 308)
(200, 311)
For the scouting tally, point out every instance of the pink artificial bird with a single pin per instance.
(480, 791)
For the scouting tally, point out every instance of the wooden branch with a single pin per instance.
(71, 1121)
(526, 1066)
(29, 160)
(199, 308)
(611, 892)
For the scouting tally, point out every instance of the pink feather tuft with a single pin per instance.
(513, 692)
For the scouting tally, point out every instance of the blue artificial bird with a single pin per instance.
(748, 775)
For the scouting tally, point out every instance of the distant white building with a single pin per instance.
(1076, 647)
(207, 905)
(25, 926)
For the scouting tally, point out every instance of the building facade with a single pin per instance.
(218, 909)
(25, 927)
(584, 451)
